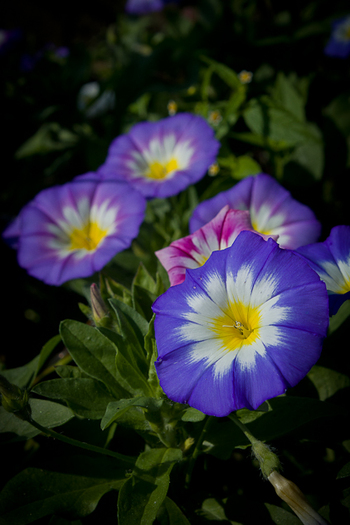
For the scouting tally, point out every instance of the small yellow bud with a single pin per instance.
(215, 117)
(213, 170)
(172, 107)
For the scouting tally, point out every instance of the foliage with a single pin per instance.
(99, 439)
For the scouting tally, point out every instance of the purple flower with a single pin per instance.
(273, 211)
(240, 329)
(71, 231)
(194, 250)
(142, 7)
(162, 158)
(331, 260)
(339, 42)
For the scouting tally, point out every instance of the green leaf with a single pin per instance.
(94, 353)
(225, 73)
(240, 167)
(286, 95)
(276, 123)
(281, 516)
(192, 415)
(85, 396)
(143, 493)
(69, 493)
(327, 381)
(117, 409)
(175, 515)
(24, 375)
(49, 137)
(344, 472)
(46, 413)
(310, 154)
(336, 320)
(131, 369)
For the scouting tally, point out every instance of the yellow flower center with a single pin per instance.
(157, 170)
(239, 324)
(86, 238)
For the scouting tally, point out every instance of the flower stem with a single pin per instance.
(197, 450)
(268, 460)
(81, 444)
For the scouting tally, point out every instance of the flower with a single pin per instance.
(245, 77)
(74, 230)
(162, 158)
(292, 495)
(331, 260)
(273, 211)
(195, 249)
(339, 42)
(240, 329)
(142, 7)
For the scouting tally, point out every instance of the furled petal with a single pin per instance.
(162, 158)
(192, 251)
(73, 230)
(273, 211)
(240, 329)
(331, 260)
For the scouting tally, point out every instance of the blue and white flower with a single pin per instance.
(162, 158)
(273, 211)
(240, 329)
(331, 260)
(72, 231)
(339, 42)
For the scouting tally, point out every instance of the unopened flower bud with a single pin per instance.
(99, 309)
(14, 399)
(292, 495)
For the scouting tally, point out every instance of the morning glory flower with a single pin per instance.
(331, 260)
(339, 42)
(142, 7)
(162, 158)
(240, 329)
(195, 249)
(273, 211)
(71, 231)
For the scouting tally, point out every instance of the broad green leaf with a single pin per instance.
(286, 95)
(137, 321)
(240, 167)
(85, 396)
(344, 472)
(281, 516)
(175, 515)
(152, 354)
(94, 353)
(47, 493)
(46, 413)
(24, 375)
(212, 510)
(266, 119)
(327, 381)
(69, 371)
(131, 369)
(143, 493)
(49, 137)
(117, 409)
(310, 154)
(192, 415)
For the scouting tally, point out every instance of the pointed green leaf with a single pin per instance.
(281, 516)
(94, 353)
(327, 381)
(142, 495)
(46, 413)
(37, 493)
(85, 396)
(175, 515)
(116, 409)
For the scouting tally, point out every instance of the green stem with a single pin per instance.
(86, 446)
(268, 460)
(197, 450)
